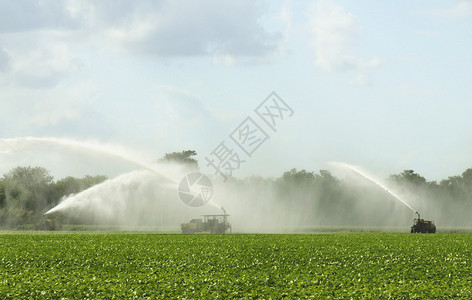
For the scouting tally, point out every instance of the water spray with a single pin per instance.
(419, 225)
(20, 143)
(373, 180)
(12, 145)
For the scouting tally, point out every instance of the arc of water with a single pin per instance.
(16, 144)
(72, 199)
(8, 145)
(373, 180)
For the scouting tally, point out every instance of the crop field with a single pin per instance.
(145, 265)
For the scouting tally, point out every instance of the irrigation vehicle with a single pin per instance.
(51, 224)
(216, 224)
(422, 225)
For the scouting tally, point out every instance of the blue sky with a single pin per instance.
(378, 84)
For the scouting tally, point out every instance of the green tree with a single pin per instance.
(26, 193)
(467, 176)
(66, 186)
(89, 181)
(467, 183)
(408, 177)
(458, 188)
(294, 177)
(71, 185)
(184, 157)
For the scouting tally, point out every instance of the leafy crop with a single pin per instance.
(337, 266)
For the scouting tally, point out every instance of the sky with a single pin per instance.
(382, 85)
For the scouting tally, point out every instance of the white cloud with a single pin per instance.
(462, 9)
(209, 27)
(42, 66)
(179, 28)
(39, 39)
(334, 32)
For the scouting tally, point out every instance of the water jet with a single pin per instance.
(377, 182)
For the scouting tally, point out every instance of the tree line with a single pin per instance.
(354, 201)
(26, 193)
(321, 198)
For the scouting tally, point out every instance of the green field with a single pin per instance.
(141, 265)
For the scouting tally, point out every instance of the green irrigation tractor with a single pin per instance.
(422, 225)
(217, 224)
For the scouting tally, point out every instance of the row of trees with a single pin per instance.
(26, 193)
(354, 201)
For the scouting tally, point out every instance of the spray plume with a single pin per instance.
(13, 145)
(110, 198)
(115, 195)
(371, 179)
